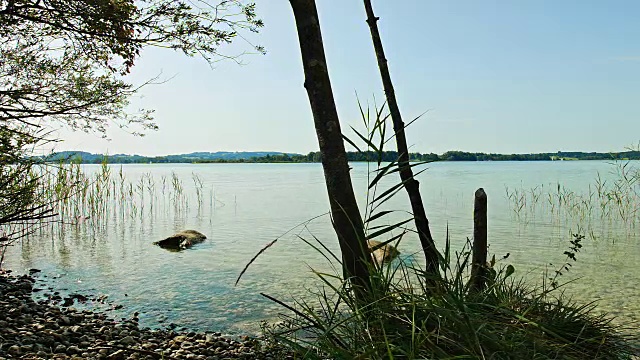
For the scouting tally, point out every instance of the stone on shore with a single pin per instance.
(32, 329)
(382, 254)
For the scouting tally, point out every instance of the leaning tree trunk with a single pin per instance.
(346, 218)
(406, 174)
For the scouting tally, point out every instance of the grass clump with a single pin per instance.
(406, 317)
(410, 313)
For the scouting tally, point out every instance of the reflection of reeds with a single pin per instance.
(197, 182)
(614, 202)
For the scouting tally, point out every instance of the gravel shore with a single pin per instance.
(41, 329)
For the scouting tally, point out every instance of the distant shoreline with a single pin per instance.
(81, 157)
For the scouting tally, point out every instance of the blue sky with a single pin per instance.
(495, 76)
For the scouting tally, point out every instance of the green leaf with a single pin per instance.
(351, 143)
(383, 243)
(366, 140)
(381, 172)
(509, 271)
(378, 215)
(365, 118)
(386, 229)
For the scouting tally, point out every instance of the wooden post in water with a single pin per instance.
(479, 256)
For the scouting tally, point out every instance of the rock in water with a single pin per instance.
(182, 240)
(383, 254)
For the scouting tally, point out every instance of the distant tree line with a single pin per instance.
(314, 157)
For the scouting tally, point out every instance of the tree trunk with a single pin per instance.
(346, 218)
(406, 174)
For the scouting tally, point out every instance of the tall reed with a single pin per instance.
(84, 198)
(614, 203)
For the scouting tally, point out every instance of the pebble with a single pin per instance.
(44, 330)
(128, 340)
(14, 349)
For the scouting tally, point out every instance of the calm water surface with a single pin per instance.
(244, 206)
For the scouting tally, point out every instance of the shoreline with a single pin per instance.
(41, 329)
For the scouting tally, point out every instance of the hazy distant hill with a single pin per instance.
(86, 157)
(225, 155)
(278, 157)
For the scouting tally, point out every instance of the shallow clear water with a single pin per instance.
(245, 206)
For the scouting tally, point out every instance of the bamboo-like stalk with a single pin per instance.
(411, 185)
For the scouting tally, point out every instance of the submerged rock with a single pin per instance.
(382, 254)
(182, 240)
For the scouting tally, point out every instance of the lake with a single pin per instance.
(534, 207)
